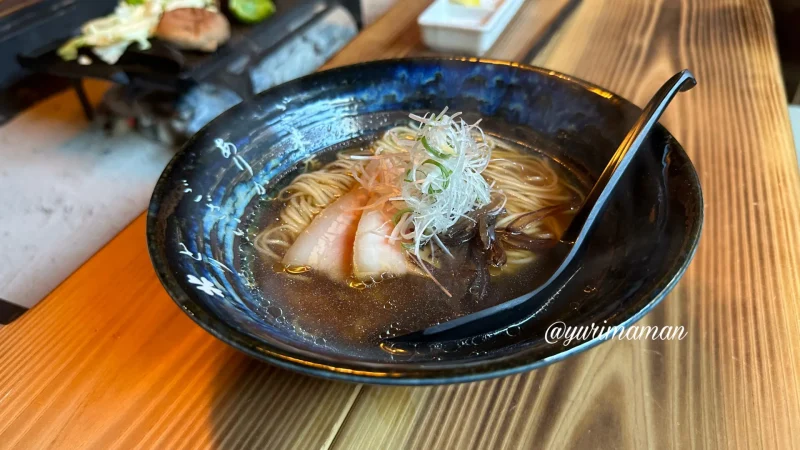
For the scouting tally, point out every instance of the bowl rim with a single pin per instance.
(362, 372)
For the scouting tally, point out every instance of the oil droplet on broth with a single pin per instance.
(292, 270)
(275, 312)
(296, 270)
(394, 350)
(356, 284)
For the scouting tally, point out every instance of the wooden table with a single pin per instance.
(108, 361)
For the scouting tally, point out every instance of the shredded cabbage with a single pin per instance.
(109, 36)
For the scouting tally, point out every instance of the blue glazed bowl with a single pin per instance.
(200, 223)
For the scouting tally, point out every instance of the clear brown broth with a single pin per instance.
(355, 322)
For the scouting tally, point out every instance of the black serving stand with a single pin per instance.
(164, 67)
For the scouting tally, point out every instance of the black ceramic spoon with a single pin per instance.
(520, 309)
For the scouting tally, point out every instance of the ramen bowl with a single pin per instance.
(209, 204)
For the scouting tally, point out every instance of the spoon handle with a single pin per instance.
(595, 201)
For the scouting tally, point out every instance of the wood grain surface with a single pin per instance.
(108, 361)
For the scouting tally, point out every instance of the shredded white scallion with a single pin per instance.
(432, 174)
(449, 160)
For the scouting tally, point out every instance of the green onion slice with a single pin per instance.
(399, 214)
(429, 148)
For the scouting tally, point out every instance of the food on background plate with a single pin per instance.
(194, 29)
(133, 21)
(251, 11)
(136, 21)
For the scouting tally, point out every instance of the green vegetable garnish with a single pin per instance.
(445, 172)
(429, 148)
(135, 2)
(432, 191)
(408, 179)
(69, 51)
(399, 215)
(251, 11)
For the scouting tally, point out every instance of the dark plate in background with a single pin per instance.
(32, 30)
(164, 66)
(641, 248)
